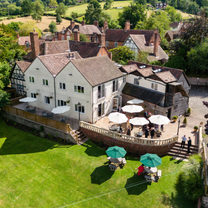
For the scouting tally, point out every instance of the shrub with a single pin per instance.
(185, 120)
(175, 117)
(189, 110)
(196, 127)
(41, 128)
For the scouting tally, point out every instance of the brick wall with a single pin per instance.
(129, 147)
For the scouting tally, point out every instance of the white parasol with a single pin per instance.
(28, 99)
(60, 109)
(135, 101)
(132, 108)
(118, 117)
(139, 121)
(158, 119)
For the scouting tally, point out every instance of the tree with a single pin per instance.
(61, 9)
(193, 8)
(142, 57)
(108, 4)
(93, 12)
(15, 25)
(84, 38)
(122, 54)
(143, 2)
(53, 3)
(52, 27)
(28, 27)
(38, 10)
(134, 13)
(58, 18)
(74, 15)
(26, 7)
(173, 14)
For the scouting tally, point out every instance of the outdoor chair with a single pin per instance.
(44, 113)
(113, 167)
(50, 115)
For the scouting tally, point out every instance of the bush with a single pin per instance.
(189, 110)
(185, 120)
(175, 117)
(41, 128)
(196, 127)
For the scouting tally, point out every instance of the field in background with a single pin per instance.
(43, 24)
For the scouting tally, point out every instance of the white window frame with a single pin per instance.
(115, 44)
(45, 82)
(33, 95)
(62, 85)
(47, 100)
(154, 86)
(115, 85)
(82, 109)
(61, 103)
(102, 91)
(102, 109)
(31, 79)
(107, 43)
(76, 89)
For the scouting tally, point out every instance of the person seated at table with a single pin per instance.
(156, 127)
(152, 133)
(146, 132)
(140, 169)
(128, 131)
(120, 130)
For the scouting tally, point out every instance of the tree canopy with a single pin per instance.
(61, 9)
(28, 27)
(52, 27)
(135, 13)
(38, 10)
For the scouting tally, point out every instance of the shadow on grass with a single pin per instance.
(92, 151)
(101, 174)
(177, 199)
(177, 161)
(136, 185)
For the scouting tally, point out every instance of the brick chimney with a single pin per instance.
(76, 35)
(96, 23)
(101, 39)
(127, 25)
(105, 25)
(156, 43)
(110, 55)
(72, 24)
(83, 23)
(34, 44)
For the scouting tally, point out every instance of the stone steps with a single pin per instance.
(81, 137)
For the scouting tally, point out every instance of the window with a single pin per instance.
(45, 82)
(80, 109)
(115, 85)
(115, 44)
(33, 95)
(101, 109)
(101, 91)
(68, 37)
(31, 79)
(154, 86)
(56, 39)
(78, 89)
(20, 88)
(136, 81)
(124, 79)
(47, 100)
(62, 37)
(61, 103)
(62, 85)
(107, 44)
(96, 39)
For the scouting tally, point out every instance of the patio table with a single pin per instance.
(151, 170)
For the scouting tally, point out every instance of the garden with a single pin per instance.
(38, 172)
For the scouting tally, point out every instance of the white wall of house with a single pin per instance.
(108, 99)
(130, 43)
(147, 83)
(39, 72)
(184, 82)
(71, 76)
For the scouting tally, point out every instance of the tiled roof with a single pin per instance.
(23, 39)
(175, 72)
(143, 93)
(173, 34)
(56, 62)
(54, 47)
(23, 65)
(129, 68)
(85, 49)
(174, 24)
(139, 40)
(166, 76)
(86, 29)
(119, 35)
(97, 70)
(146, 72)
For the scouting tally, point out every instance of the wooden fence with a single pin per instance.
(131, 139)
(41, 120)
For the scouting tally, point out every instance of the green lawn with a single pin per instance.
(80, 9)
(36, 172)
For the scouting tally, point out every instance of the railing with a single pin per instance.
(204, 158)
(41, 120)
(136, 140)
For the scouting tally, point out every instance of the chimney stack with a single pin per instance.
(83, 23)
(105, 25)
(96, 23)
(127, 25)
(110, 55)
(72, 24)
(156, 43)
(76, 35)
(101, 38)
(34, 44)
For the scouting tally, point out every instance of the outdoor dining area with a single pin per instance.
(149, 126)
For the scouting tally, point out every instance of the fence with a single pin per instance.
(61, 127)
(130, 139)
(204, 158)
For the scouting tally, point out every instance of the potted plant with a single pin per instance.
(50, 97)
(196, 128)
(188, 112)
(185, 121)
(68, 101)
(174, 118)
(37, 93)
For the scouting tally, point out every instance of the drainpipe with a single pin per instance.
(54, 76)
